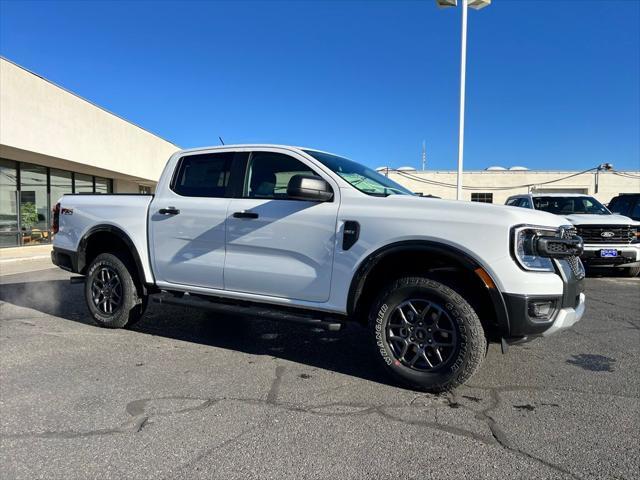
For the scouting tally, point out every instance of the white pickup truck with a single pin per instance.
(610, 240)
(312, 237)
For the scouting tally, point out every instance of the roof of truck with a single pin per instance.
(560, 195)
(551, 195)
(252, 145)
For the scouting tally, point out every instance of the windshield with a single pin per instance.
(363, 178)
(570, 205)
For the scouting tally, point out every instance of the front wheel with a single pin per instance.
(631, 271)
(426, 335)
(111, 294)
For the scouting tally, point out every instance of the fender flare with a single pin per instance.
(468, 261)
(118, 232)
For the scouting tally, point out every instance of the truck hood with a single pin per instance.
(586, 219)
(487, 214)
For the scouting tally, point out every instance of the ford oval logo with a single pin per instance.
(607, 234)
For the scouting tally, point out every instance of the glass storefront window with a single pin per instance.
(34, 204)
(8, 204)
(25, 205)
(103, 185)
(61, 183)
(84, 183)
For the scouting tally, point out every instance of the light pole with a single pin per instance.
(477, 5)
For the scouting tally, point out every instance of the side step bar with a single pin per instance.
(248, 309)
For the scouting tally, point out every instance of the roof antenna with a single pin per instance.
(221, 141)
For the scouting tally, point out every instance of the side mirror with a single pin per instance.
(310, 188)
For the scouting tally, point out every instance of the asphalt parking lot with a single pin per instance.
(192, 394)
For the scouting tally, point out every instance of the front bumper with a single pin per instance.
(628, 255)
(567, 317)
(568, 307)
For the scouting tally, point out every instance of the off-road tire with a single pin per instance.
(132, 304)
(631, 271)
(469, 340)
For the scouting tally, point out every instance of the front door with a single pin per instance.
(187, 222)
(275, 245)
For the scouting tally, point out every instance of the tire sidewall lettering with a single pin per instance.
(379, 333)
(463, 336)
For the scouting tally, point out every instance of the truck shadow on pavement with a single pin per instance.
(346, 352)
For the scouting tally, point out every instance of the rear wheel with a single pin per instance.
(631, 271)
(111, 294)
(426, 335)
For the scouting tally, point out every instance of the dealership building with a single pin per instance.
(54, 142)
(496, 184)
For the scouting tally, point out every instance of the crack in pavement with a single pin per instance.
(531, 388)
(134, 425)
(138, 420)
(272, 396)
(501, 438)
(211, 450)
(136, 408)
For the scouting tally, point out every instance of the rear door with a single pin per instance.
(278, 246)
(187, 221)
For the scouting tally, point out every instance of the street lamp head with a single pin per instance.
(476, 4)
(605, 166)
(447, 3)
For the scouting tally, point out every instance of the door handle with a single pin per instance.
(245, 214)
(169, 211)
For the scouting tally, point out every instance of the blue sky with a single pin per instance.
(551, 84)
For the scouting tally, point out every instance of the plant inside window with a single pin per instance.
(28, 215)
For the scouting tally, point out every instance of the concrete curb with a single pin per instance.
(24, 259)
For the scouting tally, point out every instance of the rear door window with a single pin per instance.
(205, 175)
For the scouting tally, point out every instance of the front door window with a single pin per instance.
(268, 175)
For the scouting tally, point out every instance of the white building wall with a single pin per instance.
(609, 183)
(38, 116)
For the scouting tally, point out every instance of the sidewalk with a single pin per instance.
(20, 254)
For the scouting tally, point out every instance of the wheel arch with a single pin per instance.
(112, 239)
(428, 250)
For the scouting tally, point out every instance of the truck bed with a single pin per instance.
(81, 214)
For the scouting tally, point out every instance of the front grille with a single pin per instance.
(576, 267)
(567, 231)
(606, 234)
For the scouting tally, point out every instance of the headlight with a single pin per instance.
(525, 252)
